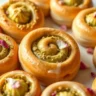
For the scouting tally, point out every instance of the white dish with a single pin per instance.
(83, 76)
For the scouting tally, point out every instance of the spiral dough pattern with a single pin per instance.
(51, 49)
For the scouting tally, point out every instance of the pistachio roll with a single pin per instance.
(50, 54)
(66, 88)
(19, 17)
(19, 83)
(84, 27)
(63, 12)
(8, 54)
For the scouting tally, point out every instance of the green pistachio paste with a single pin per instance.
(91, 19)
(65, 92)
(15, 87)
(51, 49)
(19, 14)
(3, 50)
(73, 2)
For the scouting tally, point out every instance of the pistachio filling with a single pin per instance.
(51, 49)
(91, 19)
(72, 2)
(15, 87)
(65, 92)
(4, 49)
(19, 13)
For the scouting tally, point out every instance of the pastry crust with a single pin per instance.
(85, 34)
(63, 14)
(1, 30)
(44, 4)
(94, 85)
(94, 57)
(35, 89)
(16, 30)
(74, 85)
(10, 62)
(49, 72)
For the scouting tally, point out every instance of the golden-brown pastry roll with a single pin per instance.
(84, 27)
(18, 17)
(66, 89)
(19, 83)
(49, 54)
(44, 5)
(8, 54)
(64, 11)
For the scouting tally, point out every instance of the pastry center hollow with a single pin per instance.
(51, 49)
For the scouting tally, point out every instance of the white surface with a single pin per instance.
(84, 76)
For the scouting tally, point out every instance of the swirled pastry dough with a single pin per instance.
(66, 89)
(63, 12)
(8, 54)
(50, 54)
(19, 17)
(19, 83)
(84, 27)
